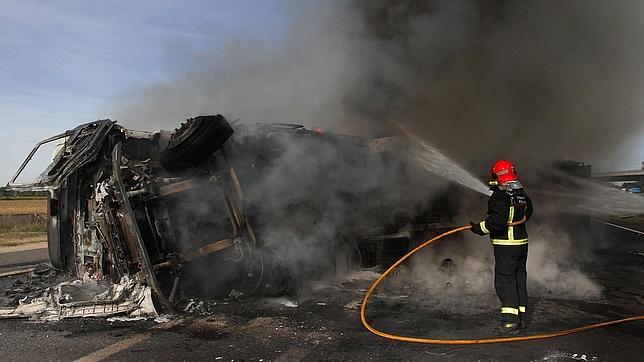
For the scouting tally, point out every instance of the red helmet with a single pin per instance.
(503, 171)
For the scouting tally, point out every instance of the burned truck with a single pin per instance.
(169, 210)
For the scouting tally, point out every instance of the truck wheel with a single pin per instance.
(53, 234)
(60, 224)
(194, 141)
(382, 250)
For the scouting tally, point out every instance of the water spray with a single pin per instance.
(436, 162)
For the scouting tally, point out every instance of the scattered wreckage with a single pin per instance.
(144, 216)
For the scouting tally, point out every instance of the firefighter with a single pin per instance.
(508, 203)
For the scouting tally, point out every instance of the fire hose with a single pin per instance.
(363, 309)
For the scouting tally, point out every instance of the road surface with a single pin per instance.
(324, 324)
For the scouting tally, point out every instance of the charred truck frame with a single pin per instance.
(112, 191)
(165, 209)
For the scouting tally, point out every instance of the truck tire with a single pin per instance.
(194, 141)
(382, 251)
(60, 224)
(53, 234)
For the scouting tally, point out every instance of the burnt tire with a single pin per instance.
(382, 251)
(194, 141)
(53, 234)
(60, 224)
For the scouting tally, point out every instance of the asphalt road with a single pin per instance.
(14, 259)
(325, 324)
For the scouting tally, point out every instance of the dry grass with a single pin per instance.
(15, 230)
(23, 206)
(21, 238)
(14, 224)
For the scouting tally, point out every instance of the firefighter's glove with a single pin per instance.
(476, 228)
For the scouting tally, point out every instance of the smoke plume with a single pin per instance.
(480, 80)
(515, 79)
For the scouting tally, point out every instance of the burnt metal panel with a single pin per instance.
(81, 147)
(131, 230)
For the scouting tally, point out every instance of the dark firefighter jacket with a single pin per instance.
(504, 207)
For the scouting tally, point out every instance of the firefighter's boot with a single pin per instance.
(506, 329)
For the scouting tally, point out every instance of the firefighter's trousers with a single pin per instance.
(510, 281)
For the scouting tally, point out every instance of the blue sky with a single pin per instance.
(63, 61)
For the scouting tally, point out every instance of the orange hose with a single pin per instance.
(363, 310)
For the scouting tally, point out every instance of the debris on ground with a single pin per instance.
(354, 304)
(199, 307)
(84, 299)
(165, 318)
(285, 302)
(126, 319)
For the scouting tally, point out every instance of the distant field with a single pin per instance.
(23, 206)
(16, 228)
(21, 238)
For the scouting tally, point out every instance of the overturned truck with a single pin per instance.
(168, 210)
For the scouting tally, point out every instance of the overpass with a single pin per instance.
(617, 176)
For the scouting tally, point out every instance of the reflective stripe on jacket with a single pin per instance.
(504, 207)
